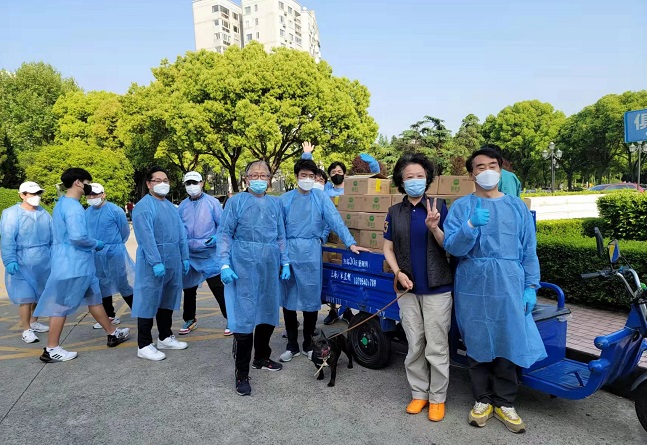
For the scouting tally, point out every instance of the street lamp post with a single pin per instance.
(553, 155)
(640, 148)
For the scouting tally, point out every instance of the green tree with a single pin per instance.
(27, 97)
(523, 131)
(430, 137)
(11, 174)
(109, 167)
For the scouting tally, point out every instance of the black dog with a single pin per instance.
(327, 351)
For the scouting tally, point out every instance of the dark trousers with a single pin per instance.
(243, 343)
(164, 319)
(494, 382)
(292, 328)
(218, 291)
(110, 309)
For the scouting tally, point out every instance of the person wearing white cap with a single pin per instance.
(115, 269)
(26, 230)
(200, 214)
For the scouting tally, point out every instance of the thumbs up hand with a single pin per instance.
(480, 216)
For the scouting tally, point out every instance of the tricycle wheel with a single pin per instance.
(640, 396)
(370, 344)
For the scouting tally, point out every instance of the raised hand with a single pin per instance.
(433, 215)
(308, 147)
(480, 216)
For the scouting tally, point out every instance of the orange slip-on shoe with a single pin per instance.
(416, 406)
(436, 412)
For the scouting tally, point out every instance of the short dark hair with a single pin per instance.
(408, 159)
(335, 165)
(485, 151)
(72, 174)
(305, 164)
(155, 169)
(323, 174)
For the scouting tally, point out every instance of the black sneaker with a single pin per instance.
(120, 336)
(243, 388)
(268, 364)
(348, 315)
(331, 317)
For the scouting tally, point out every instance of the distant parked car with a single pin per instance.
(618, 186)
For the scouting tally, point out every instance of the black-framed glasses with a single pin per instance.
(191, 182)
(259, 176)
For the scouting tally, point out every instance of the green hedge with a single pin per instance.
(564, 256)
(625, 215)
(577, 227)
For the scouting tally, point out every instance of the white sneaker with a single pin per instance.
(57, 354)
(114, 321)
(37, 326)
(227, 332)
(150, 352)
(288, 355)
(171, 343)
(28, 336)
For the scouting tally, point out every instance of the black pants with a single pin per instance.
(164, 319)
(110, 309)
(494, 382)
(218, 291)
(292, 327)
(243, 343)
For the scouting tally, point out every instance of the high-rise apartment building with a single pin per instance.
(274, 23)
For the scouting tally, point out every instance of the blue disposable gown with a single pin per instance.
(161, 238)
(306, 216)
(115, 268)
(496, 263)
(72, 281)
(251, 240)
(332, 191)
(200, 217)
(26, 240)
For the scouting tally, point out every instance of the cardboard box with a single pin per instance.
(351, 219)
(371, 221)
(371, 239)
(367, 185)
(350, 203)
(455, 185)
(449, 199)
(396, 199)
(354, 233)
(333, 238)
(376, 203)
(433, 187)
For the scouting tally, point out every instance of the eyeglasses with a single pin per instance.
(158, 181)
(306, 176)
(257, 176)
(191, 182)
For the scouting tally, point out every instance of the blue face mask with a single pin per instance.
(415, 187)
(258, 186)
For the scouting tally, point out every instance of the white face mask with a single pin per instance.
(162, 188)
(193, 190)
(33, 201)
(306, 184)
(95, 202)
(488, 179)
(318, 186)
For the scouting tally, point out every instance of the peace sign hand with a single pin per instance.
(307, 147)
(433, 215)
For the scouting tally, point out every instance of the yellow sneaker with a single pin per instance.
(436, 412)
(480, 414)
(416, 406)
(510, 419)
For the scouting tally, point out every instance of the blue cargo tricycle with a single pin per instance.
(359, 282)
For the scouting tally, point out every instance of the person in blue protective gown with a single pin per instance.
(493, 236)
(115, 269)
(200, 214)
(26, 230)
(253, 256)
(162, 259)
(72, 280)
(307, 212)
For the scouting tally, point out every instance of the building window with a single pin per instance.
(258, 35)
(248, 37)
(246, 23)
(224, 10)
(216, 22)
(255, 8)
(214, 8)
(298, 40)
(281, 19)
(281, 5)
(248, 9)
(289, 9)
(291, 37)
(236, 29)
(282, 32)
(217, 36)
(236, 16)
(225, 25)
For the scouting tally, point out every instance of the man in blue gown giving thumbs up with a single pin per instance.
(493, 237)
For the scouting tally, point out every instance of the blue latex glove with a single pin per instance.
(159, 270)
(228, 276)
(529, 299)
(186, 265)
(285, 272)
(480, 217)
(211, 241)
(372, 163)
(100, 245)
(12, 268)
